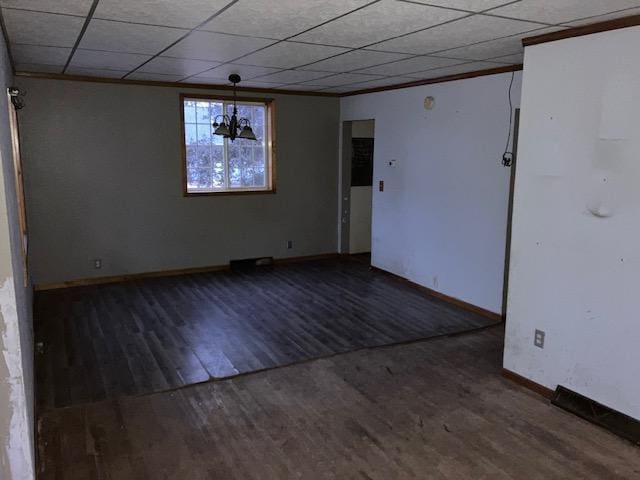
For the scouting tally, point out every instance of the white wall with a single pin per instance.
(16, 338)
(574, 274)
(441, 220)
(360, 200)
(360, 220)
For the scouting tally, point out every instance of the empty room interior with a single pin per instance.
(304, 239)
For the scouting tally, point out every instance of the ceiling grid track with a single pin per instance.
(331, 47)
(94, 5)
(219, 12)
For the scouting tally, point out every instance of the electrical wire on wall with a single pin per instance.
(507, 156)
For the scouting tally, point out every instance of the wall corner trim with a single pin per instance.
(615, 24)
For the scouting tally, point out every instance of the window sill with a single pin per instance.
(229, 193)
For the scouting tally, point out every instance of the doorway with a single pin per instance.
(357, 180)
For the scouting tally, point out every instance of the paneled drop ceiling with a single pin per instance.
(333, 46)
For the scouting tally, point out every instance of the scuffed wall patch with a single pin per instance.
(16, 442)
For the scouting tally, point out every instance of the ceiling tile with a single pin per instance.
(70, 7)
(343, 79)
(215, 46)
(382, 20)
(414, 64)
(218, 82)
(560, 11)
(293, 76)
(355, 60)
(96, 72)
(480, 51)
(384, 82)
(339, 89)
(42, 28)
(38, 67)
(107, 60)
(177, 66)
(304, 87)
(469, 5)
(290, 54)
(493, 48)
(157, 77)
(258, 84)
(245, 71)
(603, 18)
(183, 13)
(476, 28)
(204, 80)
(41, 55)
(127, 37)
(222, 81)
(454, 70)
(516, 59)
(279, 19)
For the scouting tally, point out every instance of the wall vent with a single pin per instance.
(616, 422)
(250, 263)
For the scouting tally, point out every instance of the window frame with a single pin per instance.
(270, 138)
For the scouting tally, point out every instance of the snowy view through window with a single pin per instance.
(217, 164)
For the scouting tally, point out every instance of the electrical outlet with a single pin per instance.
(289, 244)
(538, 339)
(97, 263)
(381, 186)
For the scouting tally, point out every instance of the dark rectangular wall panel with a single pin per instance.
(606, 417)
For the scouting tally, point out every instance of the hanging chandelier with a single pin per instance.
(232, 127)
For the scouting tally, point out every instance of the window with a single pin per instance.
(216, 165)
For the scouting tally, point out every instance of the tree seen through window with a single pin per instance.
(217, 164)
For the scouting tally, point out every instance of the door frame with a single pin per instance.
(14, 131)
(512, 182)
(344, 199)
(344, 214)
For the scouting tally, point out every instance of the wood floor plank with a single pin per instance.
(132, 338)
(436, 409)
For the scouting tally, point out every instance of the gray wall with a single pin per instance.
(103, 179)
(16, 338)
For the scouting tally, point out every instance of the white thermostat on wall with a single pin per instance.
(429, 103)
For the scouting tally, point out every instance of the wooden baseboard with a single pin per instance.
(82, 282)
(452, 300)
(525, 382)
(306, 258)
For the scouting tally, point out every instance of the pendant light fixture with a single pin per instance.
(232, 127)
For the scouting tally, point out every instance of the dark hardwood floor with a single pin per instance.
(133, 338)
(436, 409)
